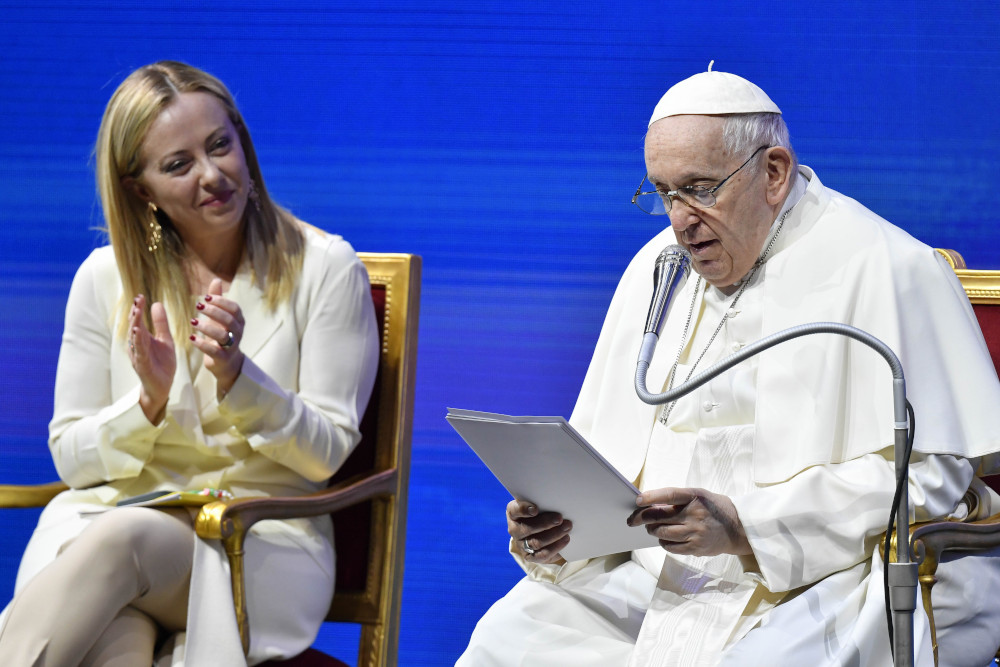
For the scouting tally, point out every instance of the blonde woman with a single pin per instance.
(218, 342)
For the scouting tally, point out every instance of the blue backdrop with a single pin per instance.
(502, 142)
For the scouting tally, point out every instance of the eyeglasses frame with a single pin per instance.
(676, 193)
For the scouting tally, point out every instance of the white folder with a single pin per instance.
(545, 461)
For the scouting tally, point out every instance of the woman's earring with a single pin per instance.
(154, 235)
(254, 195)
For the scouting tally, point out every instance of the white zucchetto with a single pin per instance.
(712, 93)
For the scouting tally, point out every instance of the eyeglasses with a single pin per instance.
(657, 202)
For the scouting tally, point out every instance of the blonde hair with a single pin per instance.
(272, 238)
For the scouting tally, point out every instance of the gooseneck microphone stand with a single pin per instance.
(902, 573)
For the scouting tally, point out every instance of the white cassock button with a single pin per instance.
(707, 406)
(732, 312)
(736, 346)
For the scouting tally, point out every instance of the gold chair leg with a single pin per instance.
(371, 641)
(210, 525)
(928, 557)
(234, 550)
(926, 584)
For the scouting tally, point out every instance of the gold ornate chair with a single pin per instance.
(930, 541)
(367, 497)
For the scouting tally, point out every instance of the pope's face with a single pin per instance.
(194, 167)
(726, 239)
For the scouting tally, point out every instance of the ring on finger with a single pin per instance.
(230, 339)
(527, 548)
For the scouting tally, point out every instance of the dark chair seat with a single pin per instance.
(308, 658)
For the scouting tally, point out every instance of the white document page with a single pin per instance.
(544, 460)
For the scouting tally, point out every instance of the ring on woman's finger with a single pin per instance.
(527, 549)
(230, 339)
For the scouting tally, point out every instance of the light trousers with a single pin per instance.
(108, 594)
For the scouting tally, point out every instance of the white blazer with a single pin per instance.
(286, 425)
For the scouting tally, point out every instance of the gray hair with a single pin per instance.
(744, 133)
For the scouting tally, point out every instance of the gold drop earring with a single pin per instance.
(154, 235)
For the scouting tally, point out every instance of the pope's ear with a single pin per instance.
(133, 185)
(779, 173)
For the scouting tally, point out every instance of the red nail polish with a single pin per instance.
(208, 297)
(200, 306)
(194, 322)
(191, 337)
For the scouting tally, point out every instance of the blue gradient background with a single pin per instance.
(502, 142)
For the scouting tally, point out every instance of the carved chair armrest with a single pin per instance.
(218, 520)
(928, 541)
(230, 521)
(34, 495)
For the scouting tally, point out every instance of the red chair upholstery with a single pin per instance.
(309, 658)
(367, 497)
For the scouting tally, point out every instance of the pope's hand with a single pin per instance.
(538, 536)
(692, 522)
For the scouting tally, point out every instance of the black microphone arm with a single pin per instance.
(902, 573)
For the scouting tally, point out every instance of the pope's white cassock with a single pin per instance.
(800, 438)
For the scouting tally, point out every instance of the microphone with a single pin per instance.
(902, 576)
(671, 269)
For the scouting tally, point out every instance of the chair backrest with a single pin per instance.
(983, 289)
(370, 537)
